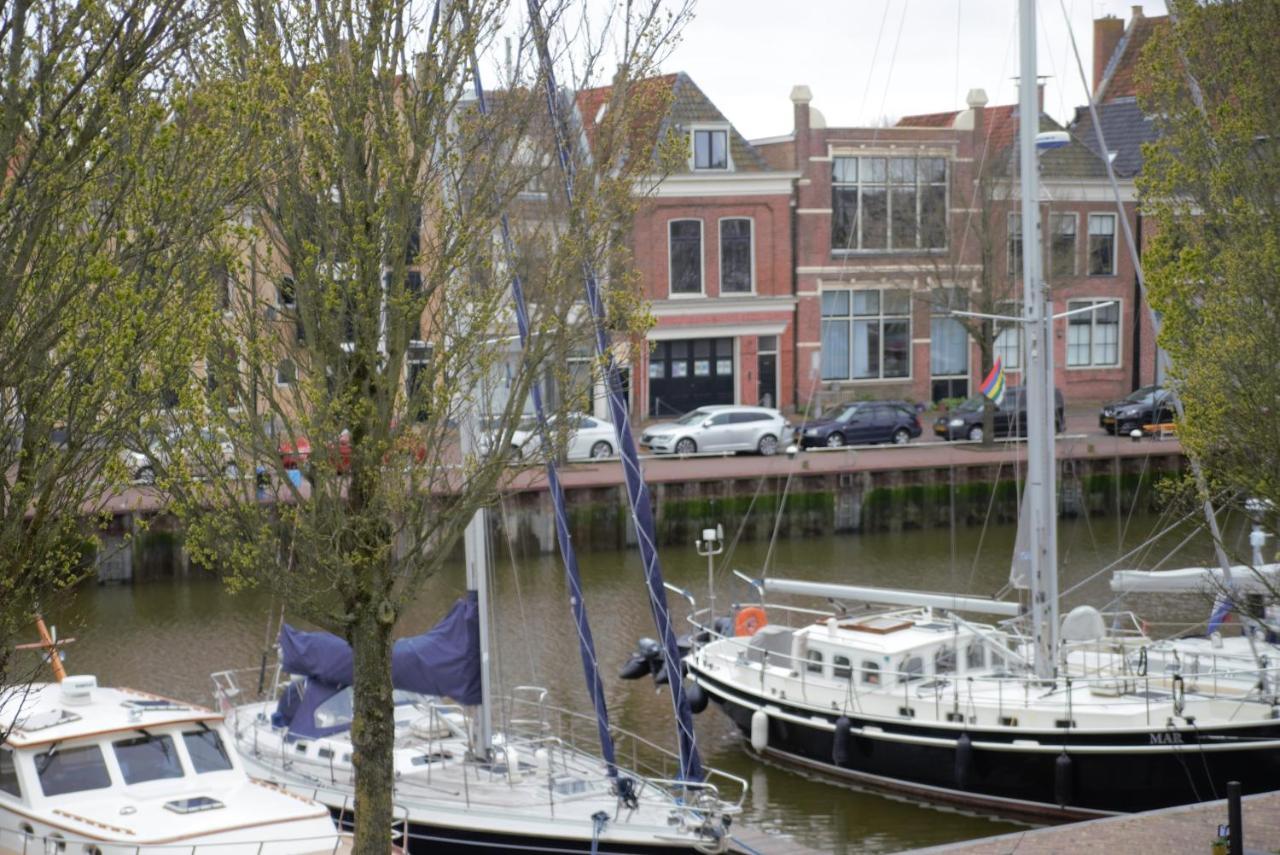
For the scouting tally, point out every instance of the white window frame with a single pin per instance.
(1115, 244)
(1015, 269)
(888, 155)
(751, 221)
(702, 261)
(1012, 308)
(728, 147)
(911, 350)
(279, 365)
(1081, 303)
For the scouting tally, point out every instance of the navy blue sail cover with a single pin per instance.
(444, 661)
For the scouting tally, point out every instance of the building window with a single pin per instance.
(711, 149)
(888, 203)
(1015, 245)
(948, 339)
(685, 246)
(413, 286)
(735, 256)
(1008, 342)
(417, 393)
(1093, 338)
(866, 335)
(286, 373)
(1062, 250)
(287, 293)
(1102, 244)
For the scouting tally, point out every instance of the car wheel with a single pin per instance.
(975, 433)
(836, 440)
(768, 445)
(145, 475)
(901, 436)
(686, 446)
(601, 449)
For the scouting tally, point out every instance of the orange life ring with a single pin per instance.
(749, 621)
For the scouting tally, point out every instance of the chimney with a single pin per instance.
(1135, 12)
(800, 98)
(977, 101)
(1107, 33)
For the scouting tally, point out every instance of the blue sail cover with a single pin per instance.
(444, 660)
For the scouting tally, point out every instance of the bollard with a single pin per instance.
(1233, 818)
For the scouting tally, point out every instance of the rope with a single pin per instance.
(637, 491)
(573, 578)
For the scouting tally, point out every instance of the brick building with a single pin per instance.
(712, 246)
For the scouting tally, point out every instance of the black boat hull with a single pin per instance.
(1101, 774)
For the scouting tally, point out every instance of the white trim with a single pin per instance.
(1064, 190)
(707, 183)
(813, 210)
(1093, 325)
(711, 127)
(712, 330)
(751, 245)
(863, 269)
(702, 260)
(775, 139)
(738, 304)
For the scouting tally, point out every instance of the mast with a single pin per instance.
(476, 542)
(1040, 493)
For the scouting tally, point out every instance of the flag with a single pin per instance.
(993, 387)
(1222, 608)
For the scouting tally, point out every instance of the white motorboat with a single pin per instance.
(106, 771)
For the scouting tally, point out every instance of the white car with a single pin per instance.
(589, 438)
(142, 465)
(720, 428)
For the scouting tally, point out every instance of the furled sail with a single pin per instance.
(1020, 568)
(1244, 579)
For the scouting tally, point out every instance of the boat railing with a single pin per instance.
(23, 842)
(544, 725)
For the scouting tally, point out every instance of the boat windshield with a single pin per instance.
(72, 770)
(338, 711)
(206, 751)
(147, 758)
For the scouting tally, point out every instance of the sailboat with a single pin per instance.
(995, 704)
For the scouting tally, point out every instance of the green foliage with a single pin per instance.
(1211, 186)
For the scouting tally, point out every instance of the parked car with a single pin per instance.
(720, 428)
(589, 437)
(197, 443)
(861, 423)
(965, 421)
(1146, 406)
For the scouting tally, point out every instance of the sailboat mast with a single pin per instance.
(1038, 377)
(476, 542)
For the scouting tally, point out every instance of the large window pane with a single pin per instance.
(903, 206)
(835, 304)
(866, 349)
(1062, 254)
(948, 347)
(844, 218)
(835, 350)
(710, 149)
(933, 217)
(147, 758)
(866, 302)
(897, 348)
(1015, 245)
(735, 256)
(1079, 336)
(686, 256)
(875, 218)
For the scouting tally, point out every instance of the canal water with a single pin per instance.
(168, 636)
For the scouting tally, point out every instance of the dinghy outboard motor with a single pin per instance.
(646, 660)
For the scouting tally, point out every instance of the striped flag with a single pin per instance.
(993, 386)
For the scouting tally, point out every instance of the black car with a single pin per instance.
(965, 421)
(862, 423)
(1149, 405)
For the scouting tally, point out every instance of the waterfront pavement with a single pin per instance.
(1191, 828)
(1082, 439)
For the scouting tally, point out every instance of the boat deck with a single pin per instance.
(1190, 828)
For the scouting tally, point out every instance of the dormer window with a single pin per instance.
(711, 148)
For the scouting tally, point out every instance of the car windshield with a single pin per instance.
(840, 413)
(1142, 396)
(972, 405)
(693, 417)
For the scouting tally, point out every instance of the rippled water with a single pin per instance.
(168, 636)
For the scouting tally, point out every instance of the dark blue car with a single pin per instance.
(862, 423)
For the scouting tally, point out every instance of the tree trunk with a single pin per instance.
(373, 728)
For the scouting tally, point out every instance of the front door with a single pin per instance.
(767, 371)
(687, 374)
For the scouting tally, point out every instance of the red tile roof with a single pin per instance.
(646, 120)
(929, 120)
(1122, 82)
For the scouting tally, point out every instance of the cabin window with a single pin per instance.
(147, 758)
(815, 661)
(974, 656)
(871, 673)
(911, 668)
(944, 661)
(9, 774)
(337, 711)
(842, 668)
(207, 751)
(72, 770)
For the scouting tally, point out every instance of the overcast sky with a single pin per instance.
(865, 59)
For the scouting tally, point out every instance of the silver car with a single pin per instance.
(720, 428)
